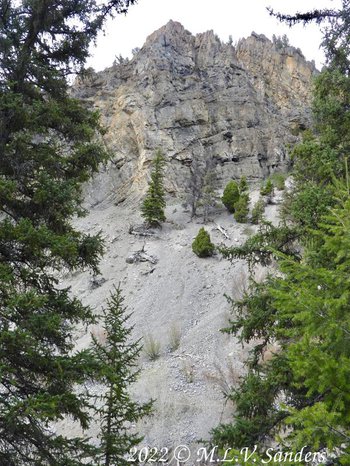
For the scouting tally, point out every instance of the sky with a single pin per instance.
(237, 18)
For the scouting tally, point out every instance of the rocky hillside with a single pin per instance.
(198, 98)
(178, 300)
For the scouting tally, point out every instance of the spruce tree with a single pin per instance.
(230, 195)
(202, 245)
(242, 208)
(154, 203)
(299, 395)
(47, 150)
(267, 189)
(304, 314)
(118, 357)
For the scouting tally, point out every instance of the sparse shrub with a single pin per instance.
(242, 209)
(258, 211)
(202, 245)
(225, 376)
(243, 185)
(267, 188)
(151, 347)
(230, 195)
(278, 180)
(174, 337)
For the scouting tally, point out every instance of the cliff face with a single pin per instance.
(281, 77)
(195, 97)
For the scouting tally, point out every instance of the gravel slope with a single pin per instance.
(181, 294)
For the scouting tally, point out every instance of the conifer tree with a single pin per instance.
(118, 357)
(230, 195)
(242, 208)
(258, 211)
(267, 189)
(154, 203)
(299, 396)
(47, 150)
(202, 245)
(305, 314)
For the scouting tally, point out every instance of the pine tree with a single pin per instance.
(299, 396)
(242, 208)
(304, 314)
(118, 357)
(267, 189)
(335, 23)
(202, 245)
(47, 150)
(154, 203)
(230, 195)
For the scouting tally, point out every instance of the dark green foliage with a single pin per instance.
(299, 395)
(258, 211)
(267, 189)
(306, 312)
(202, 245)
(306, 204)
(316, 161)
(154, 203)
(118, 358)
(242, 208)
(331, 110)
(257, 414)
(47, 150)
(230, 195)
(260, 248)
(278, 180)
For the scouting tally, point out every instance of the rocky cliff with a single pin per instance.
(198, 98)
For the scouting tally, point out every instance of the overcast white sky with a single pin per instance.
(225, 17)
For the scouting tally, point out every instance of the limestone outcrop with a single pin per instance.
(196, 97)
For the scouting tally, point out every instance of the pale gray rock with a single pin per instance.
(196, 97)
